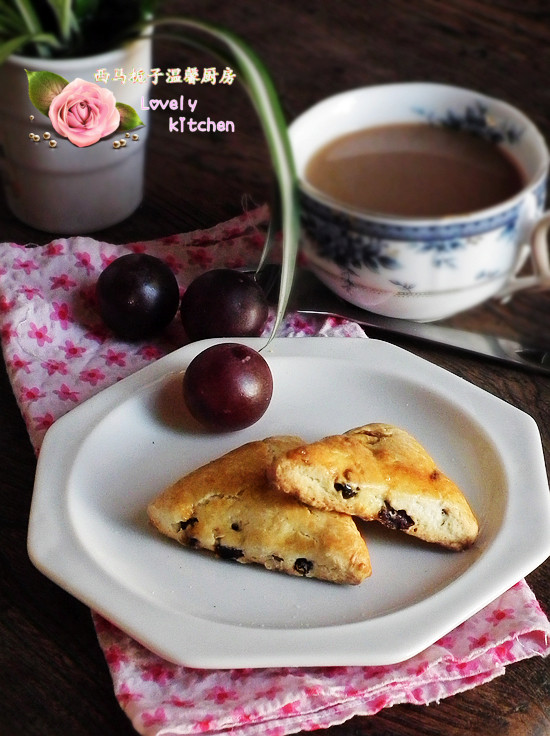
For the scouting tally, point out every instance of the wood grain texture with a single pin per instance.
(53, 679)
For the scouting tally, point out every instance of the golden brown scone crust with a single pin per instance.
(379, 471)
(229, 508)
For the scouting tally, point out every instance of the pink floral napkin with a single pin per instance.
(58, 354)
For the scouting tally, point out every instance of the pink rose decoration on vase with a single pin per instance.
(81, 111)
(84, 113)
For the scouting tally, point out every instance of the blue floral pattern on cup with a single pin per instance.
(341, 240)
(475, 119)
(353, 243)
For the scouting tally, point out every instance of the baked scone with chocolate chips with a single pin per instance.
(229, 507)
(380, 472)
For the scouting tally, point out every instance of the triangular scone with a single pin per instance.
(229, 508)
(379, 472)
(420, 499)
(338, 473)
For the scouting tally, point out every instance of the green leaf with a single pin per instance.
(43, 87)
(13, 46)
(257, 82)
(44, 41)
(62, 12)
(129, 119)
(29, 16)
(11, 22)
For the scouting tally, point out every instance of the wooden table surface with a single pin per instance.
(53, 679)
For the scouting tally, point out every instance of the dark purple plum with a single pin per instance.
(223, 303)
(137, 296)
(227, 387)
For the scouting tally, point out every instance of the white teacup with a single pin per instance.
(424, 268)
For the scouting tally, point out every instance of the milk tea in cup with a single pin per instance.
(415, 170)
(420, 200)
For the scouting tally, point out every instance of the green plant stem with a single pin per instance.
(257, 82)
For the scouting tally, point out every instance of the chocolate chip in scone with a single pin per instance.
(228, 553)
(394, 519)
(188, 522)
(345, 489)
(303, 566)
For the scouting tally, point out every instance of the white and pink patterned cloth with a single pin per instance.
(58, 354)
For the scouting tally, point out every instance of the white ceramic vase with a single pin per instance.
(62, 188)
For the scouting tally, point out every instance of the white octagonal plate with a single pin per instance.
(104, 461)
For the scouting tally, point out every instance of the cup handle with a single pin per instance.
(539, 250)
